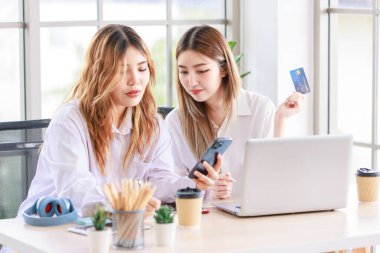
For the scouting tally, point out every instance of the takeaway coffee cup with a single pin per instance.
(189, 207)
(367, 181)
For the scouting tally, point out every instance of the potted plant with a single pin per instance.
(99, 237)
(232, 45)
(165, 226)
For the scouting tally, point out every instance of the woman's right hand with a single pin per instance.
(203, 182)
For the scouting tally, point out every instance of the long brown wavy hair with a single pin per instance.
(196, 126)
(99, 78)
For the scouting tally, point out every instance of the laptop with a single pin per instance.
(292, 175)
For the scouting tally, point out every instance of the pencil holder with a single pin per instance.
(128, 229)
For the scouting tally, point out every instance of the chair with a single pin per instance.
(19, 149)
(164, 110)
(20, 142)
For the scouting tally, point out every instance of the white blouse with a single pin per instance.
(252, 117)
(67, 166)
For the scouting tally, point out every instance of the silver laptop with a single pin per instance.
(291, 175)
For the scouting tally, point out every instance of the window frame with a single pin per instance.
(325, 109)
(31, 47)
(20, 25)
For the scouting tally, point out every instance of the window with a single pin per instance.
(353, 76)
(62, 30)
(11, 58)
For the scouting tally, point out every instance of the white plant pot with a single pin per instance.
(99, 241)
(165, 234)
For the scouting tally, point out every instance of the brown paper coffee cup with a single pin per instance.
(189, 207)
(367, 182)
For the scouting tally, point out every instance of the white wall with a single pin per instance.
(277, 36)
(259, 45)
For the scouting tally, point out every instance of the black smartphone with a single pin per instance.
(218, 147)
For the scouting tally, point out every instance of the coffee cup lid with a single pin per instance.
(365, 172)
(188, 193)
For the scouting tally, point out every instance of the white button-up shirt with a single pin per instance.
(67, 166)
(252, 117)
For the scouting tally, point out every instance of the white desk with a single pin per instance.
(358, 225)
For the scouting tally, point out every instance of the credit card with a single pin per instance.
(300, 81)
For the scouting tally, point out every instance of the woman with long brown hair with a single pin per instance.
(108, 129)
(213, 104)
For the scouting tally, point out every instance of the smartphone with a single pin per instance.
(219, 146)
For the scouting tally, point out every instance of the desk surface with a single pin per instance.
(355, 226)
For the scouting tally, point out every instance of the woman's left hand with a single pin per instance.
(291, 106)
(223, 186)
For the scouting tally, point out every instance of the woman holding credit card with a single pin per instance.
(212, 104)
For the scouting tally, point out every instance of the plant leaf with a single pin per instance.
(245, 74)
(232, 44)
(164, 215)
(99, 218)
(238, 58)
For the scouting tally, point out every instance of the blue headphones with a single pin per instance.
(46, 208)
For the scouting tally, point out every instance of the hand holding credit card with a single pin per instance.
(300, 81)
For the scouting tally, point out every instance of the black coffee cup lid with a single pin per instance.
(365, 172)
(188, 193)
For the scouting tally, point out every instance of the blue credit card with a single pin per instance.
(300, 81)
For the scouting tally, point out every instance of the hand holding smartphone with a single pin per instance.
(219, 146)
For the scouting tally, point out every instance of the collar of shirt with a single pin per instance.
(241, 104)
(126, 126)
(240, 107)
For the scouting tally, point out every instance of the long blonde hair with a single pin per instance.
(99, 78)
(196, 126)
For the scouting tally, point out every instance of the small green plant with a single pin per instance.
(164, 215)
(99, 218)
(238, 57)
